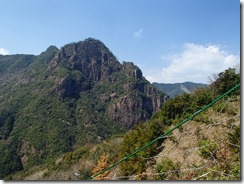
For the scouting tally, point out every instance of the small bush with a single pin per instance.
(167, 170)
(235, 139)
(203, 118)
(208, 149)
(220, 107)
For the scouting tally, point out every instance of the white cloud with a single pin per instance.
(3, 51)
(138, 33)
(195, 63)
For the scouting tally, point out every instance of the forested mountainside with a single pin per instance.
(176, 89)
(205, 148)
(66, 98)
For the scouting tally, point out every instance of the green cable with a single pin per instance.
(167, 132)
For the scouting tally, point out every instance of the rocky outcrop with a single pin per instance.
(131, 70)
(137, 105)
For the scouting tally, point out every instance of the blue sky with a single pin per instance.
(170, 40)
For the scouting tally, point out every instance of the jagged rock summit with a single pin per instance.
(91, 57)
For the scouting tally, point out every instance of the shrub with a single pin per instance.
(134, 139)
(167, 170)
(101, 165)
(203, 118)
(208, 149)
(234, 139)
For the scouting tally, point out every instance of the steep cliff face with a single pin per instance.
(138, 102)
(131, 70)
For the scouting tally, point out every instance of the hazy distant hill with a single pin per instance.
(176, 89)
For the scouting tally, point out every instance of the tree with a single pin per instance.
(135, 139)
(226, 80)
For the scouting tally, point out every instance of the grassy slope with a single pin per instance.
(201, 149)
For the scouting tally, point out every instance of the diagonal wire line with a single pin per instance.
(167, 132)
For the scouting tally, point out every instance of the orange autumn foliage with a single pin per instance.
(102, 164)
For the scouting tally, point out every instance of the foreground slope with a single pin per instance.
(206, 148)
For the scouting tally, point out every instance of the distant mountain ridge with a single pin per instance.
(175, 89)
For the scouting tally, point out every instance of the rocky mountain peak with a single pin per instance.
(91, 57)
(87, 49)
(90, 66)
